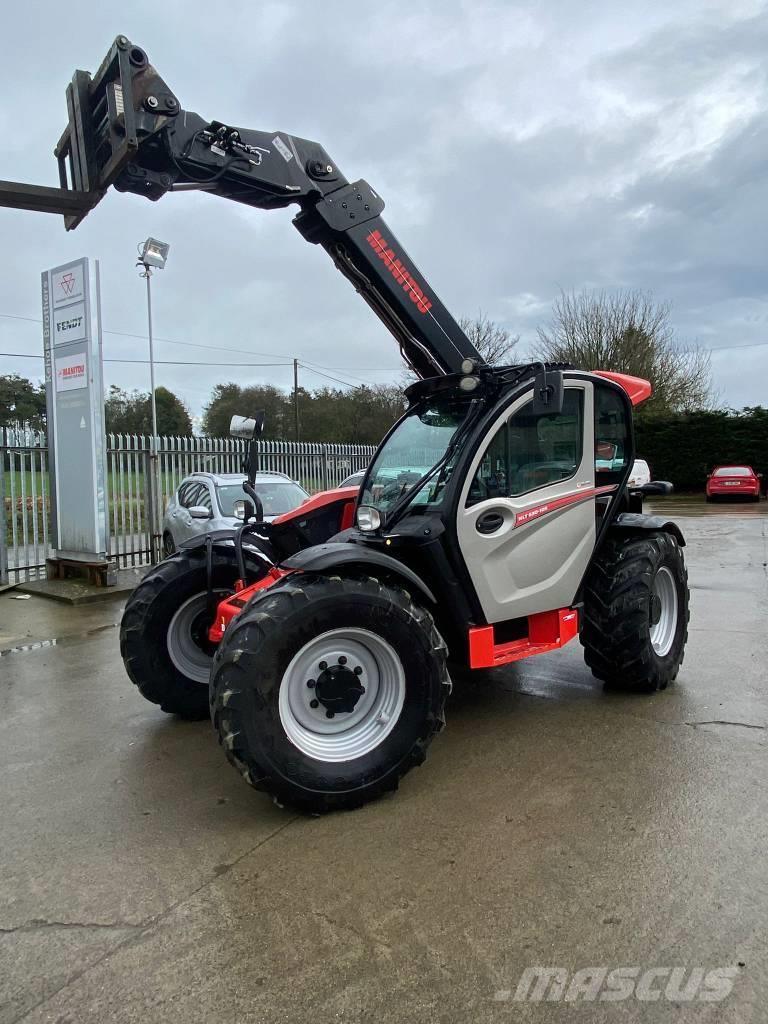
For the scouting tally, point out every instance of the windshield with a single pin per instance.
(733, 471)
(275, 497)
(419, 441)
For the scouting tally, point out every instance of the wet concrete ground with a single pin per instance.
(552, 825)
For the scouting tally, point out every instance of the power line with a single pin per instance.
(145, 337)
(344, 369)
(734, 348)
(213, 348)
(329, 377)
(160, 362)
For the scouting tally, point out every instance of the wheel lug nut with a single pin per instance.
(329, 714)
(323, 666)
(342, 660)
(314, 703)
(358, 670)
(311, 683)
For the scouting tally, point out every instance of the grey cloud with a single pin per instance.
(520, 149)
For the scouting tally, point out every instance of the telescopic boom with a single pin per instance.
(127, 128)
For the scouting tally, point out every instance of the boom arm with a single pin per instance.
(127, 129)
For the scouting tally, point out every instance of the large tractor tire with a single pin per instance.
(325, 691)
(636, 612)
(163, 633)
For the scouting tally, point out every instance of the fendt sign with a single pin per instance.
(74, 395)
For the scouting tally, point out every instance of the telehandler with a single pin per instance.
(493, 523)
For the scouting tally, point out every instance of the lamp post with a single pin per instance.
(153, 253)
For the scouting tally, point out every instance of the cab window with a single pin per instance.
(529, 451)
(612, 441)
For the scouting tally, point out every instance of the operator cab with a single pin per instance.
(467, 479)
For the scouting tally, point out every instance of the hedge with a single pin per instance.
(684, 448)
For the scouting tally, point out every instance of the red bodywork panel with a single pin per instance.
(637, 388)
(320, 501)
(547, 631)
(234, 604)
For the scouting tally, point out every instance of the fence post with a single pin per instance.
(151, 501)
(4, 531)
(325, 467)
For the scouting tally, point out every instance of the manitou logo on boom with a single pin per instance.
(398, 271)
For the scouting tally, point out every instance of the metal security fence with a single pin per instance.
(25, 492)
(25, 504)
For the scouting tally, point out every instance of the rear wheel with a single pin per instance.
(326, 691)
(169, 545)
(636, 612)
(164, 631)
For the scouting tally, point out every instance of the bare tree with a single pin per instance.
(494, 342)
(628, 332)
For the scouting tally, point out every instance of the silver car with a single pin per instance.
(207, 501)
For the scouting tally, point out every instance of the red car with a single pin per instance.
(736, 481)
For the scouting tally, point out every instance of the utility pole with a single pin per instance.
(296, 395)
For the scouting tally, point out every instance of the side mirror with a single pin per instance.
(662, 488)
(248, 427)
(200, 512)
(548, 392)
(239, 510)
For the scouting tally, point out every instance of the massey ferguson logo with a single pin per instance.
(67, 283)
(398, 271)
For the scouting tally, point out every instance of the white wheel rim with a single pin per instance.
(348, 734)
(664, 597)
(183, 650)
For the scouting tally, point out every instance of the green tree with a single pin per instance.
(228, 400)
(355, 416)
(330, 415)
(628, 332)
(131, 413)
(21, 401)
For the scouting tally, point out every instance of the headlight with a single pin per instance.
(368, 518)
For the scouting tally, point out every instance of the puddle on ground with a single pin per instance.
(56, 641)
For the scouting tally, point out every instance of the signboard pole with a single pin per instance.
(72, 347)
(154, 455)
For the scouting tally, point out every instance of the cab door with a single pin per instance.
(526, 517)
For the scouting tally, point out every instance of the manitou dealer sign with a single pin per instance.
(74, 394)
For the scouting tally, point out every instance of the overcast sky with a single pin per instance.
(520, 148)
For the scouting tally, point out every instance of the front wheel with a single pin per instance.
(636, 612)
(326, 691)
(164, 631)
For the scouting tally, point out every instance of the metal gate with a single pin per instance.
(25, 496)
